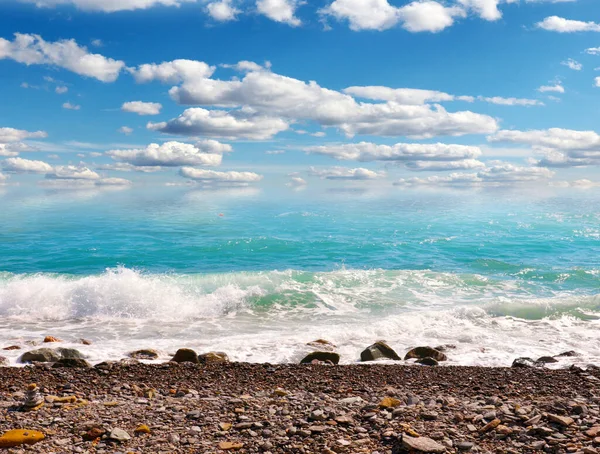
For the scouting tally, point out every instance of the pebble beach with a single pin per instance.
(211, 405)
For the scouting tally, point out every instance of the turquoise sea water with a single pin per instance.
(258, 274)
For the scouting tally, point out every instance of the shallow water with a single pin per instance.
(499, 274)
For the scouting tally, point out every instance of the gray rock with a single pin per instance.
(321, 356)
(147, 353)
(72, 363)
(425, 352)
(546, 360)
(119, 435)
(465, 445)
(427, 361)
(379, 350)
(422, 444)
(523, 362)
(49, 355)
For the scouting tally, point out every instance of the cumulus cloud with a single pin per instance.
(8, 135)
(597, 81)
(572, 64)
(218, 123)
(465, 164)
(222, 10)
(418, 16)
(125, 130)
(560, 147)
(593, 51)
(108, 6)
(343, 173)
(14, 148)
(562, 25)
(368, 152)
(274, 101)
(72, 173)
(296, 182)
(20, 165)
(67, 54)
(280, 10)
(3, 178)
(61, 90)
(556, 88)
(175, 71)
(220, 178)
(126, 167)
(142, 108)
(498, 175)
(169, 154)
(69, 106)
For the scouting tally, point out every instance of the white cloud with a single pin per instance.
(428, 16)
(175, 71)
(557, 88)
(297, 182)
(560, 147)
(125, 130)
(8, 135)
(572, 64)
(264, 94)
(218, 123)
(97, 43)
(343, 173)
(20, 165)
(407, 96)
(418, 16)
(222, 10)
(33, 50)
(511, 101)
(501, 174)
(113, 182)
(125, 167)
(108, 6)
(69, 106)
(578, 184)
(6, 150)
(486, 9)
(213, 177)
(367, 152)
(213, 146)
(61, 90)
(3, 178)
(593, 51)
(597, 81)
(465, 164)
(169, 154)
(274, 152)
(280, 10)
(72, 173)
(562, 25)
(142, 108)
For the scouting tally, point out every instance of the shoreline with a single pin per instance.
(312, 408)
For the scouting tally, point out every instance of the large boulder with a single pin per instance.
(185, 355)
(322, 357)
(425, 352)
(213, 357)
(379, 350)
(49, 355)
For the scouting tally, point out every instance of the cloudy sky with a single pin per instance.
(291, 93)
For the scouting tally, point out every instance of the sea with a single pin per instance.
(258, 273)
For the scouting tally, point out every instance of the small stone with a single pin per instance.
(489, 426)
(85, 341)
(12, 347)
(422, 444)
(93, 433)
(225, 426)
(465, 446)
(425, 352)
(230, 446)
(564, 421)
(317, 429)
(50, 339)
(593, 432)
(185, 355)
(280, 392)
(504, 430)
(147, 353)
(142, 429)
(389, 402)
(321, 356)
(18, 437)
(119, 435)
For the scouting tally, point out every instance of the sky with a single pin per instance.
(291, 94)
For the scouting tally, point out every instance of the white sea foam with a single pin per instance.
(270, 316)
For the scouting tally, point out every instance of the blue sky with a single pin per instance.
(285, 93)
